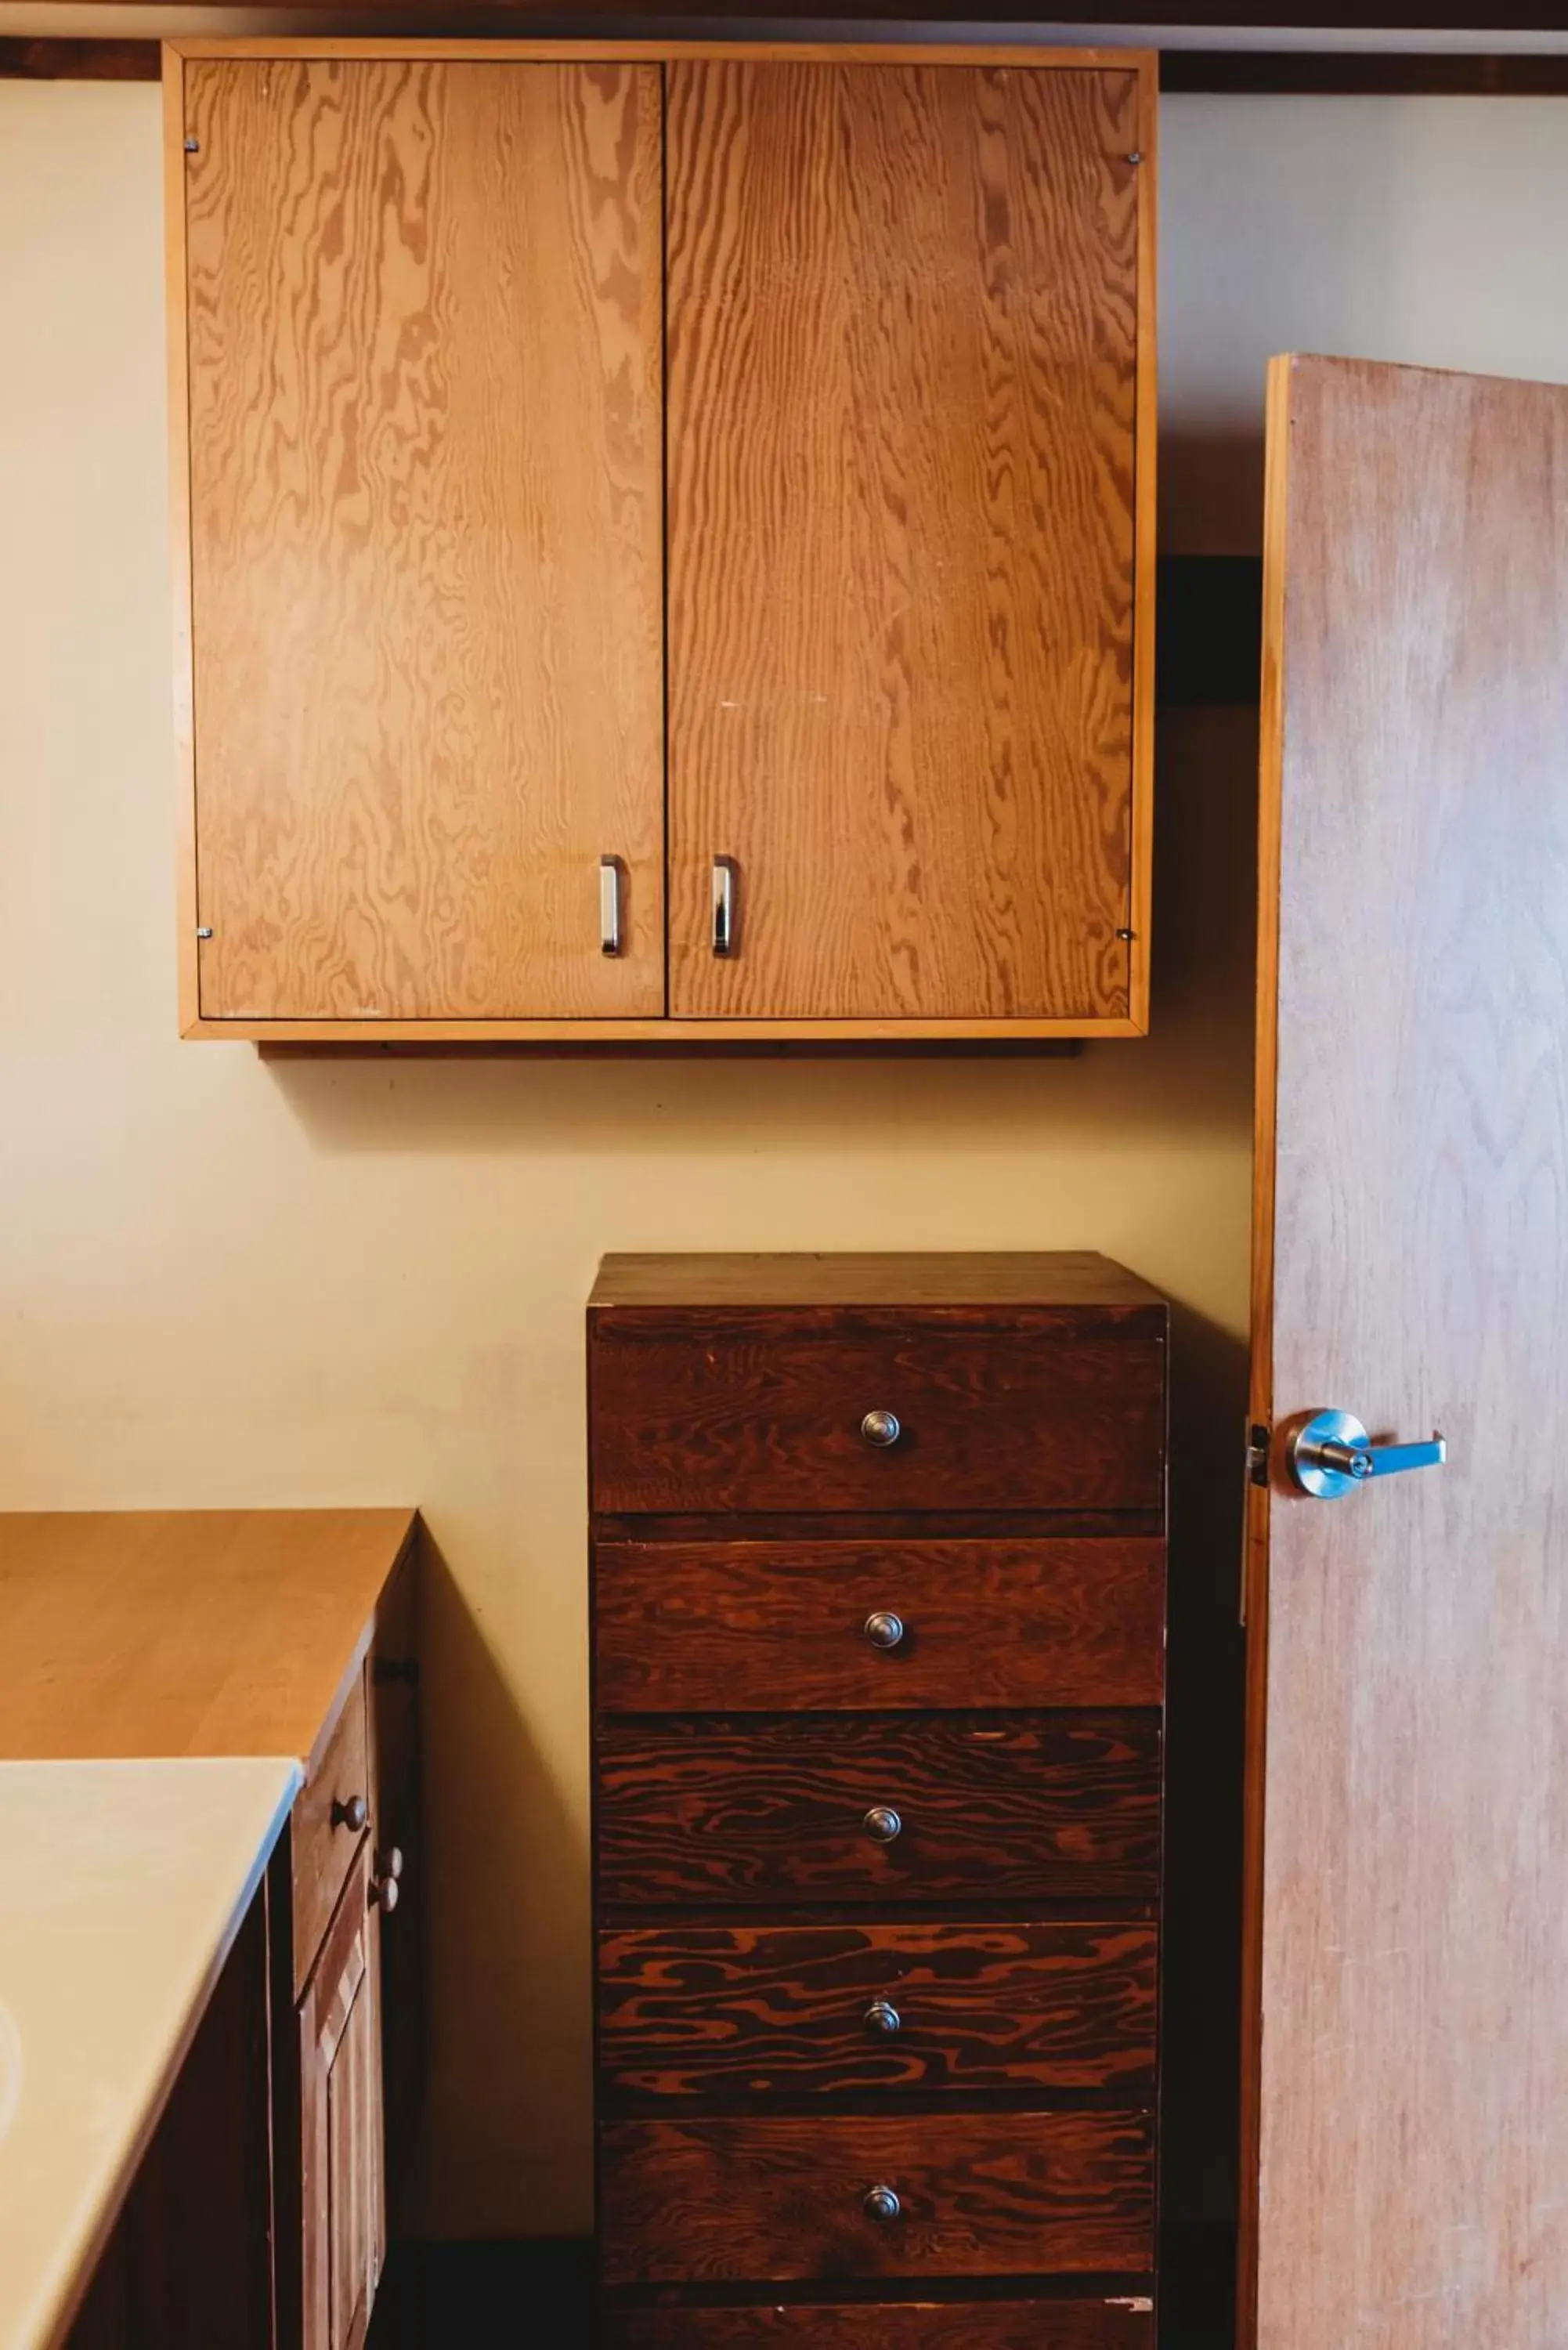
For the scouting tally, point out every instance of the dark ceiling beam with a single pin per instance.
(1404, 16)
(1302, 72)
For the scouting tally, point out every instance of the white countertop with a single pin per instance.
(122, 1886)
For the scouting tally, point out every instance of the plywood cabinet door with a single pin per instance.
(907, 680)
(340, 2114)
(424, 342)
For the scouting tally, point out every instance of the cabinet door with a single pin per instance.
(340, 2116)
(905, 347)
(425, 521)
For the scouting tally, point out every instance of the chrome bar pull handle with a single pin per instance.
(724, 906)
(1332, 1454)
(610, 905)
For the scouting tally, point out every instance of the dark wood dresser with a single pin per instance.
(878, 1577)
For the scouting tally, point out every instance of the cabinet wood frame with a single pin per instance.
(577, 1032)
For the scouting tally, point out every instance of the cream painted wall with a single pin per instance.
(224, 1279)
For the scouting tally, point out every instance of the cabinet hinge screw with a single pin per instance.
(1136, 155)
(204, 932)
(1126, 934)
(193, 145)
(1257, 1452)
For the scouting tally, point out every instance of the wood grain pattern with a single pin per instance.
(1414, 2085)
(1123, 2322)
(158, 1632)
(767, 1808)
(903, 700)
(340, 2118)
(772, 2197)
(424, 329)
(737, 1417)
(909, 1281)
(728, 2013)
(723, 1626)
(323, 1842)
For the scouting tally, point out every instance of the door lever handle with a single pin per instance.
(1332, 1453)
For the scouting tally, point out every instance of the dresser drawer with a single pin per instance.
(1062, 1416)
(1124, 2322)
(729, 2013)
(760, 1809)
(771, 2197)
(329, 1819)
(685, 1627)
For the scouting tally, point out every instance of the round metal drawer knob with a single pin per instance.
(884, 1629)
(883, 2016)
(882, 1823)
(351, 1813)
(882, 2203)
(881, 1428)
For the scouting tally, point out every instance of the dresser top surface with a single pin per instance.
(901, 1278)
(173, 1632)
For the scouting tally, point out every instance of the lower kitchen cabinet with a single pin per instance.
(287, 1633)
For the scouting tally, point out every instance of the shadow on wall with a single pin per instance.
(507, 1964)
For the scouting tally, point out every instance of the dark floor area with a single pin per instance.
(539, 2295)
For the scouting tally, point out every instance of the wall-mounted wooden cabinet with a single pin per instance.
(664, 540)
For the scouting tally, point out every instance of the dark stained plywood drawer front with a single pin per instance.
(694, 1627)
(774, 2199)
(730, 2012)
(1124, 2322)
(759, 1808)
(1062, 1418)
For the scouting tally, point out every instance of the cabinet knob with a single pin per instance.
(351, 1814)
(882, 1427)
(882, 1823)
(884, 1629)
(384, 1894)
(882, 2204)
(390, 1862)
(883, 2016)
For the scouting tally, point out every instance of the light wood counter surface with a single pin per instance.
(194, 1632)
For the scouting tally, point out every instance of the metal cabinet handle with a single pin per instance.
(882, 1823)
(391, 1863)
(351, 1814)
(384, 1894)
(882, 2203)
(882, 1427)
(883, 1628)
(724, 893)
(883, 2016)
(610, 905)
(1332, 1455)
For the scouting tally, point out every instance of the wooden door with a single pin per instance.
(905, 334)
(424, 339)
(1408, 1807)
(340, 2115)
